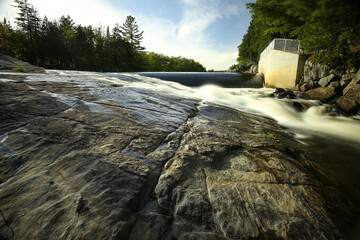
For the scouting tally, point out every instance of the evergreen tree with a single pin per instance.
(130, 32)
(28, 21)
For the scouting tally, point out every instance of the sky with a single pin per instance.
(207, 31)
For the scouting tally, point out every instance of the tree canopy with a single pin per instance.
(63, 44)
(327, 28)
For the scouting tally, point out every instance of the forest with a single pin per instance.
(63, 44)
(329, 30)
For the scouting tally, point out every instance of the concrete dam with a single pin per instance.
(282, 63)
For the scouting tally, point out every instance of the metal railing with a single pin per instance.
(286, 45)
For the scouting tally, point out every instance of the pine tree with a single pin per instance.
(130, 32)
(28, 19)
(28, 22)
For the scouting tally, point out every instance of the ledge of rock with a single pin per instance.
(108, 162)
(10, 64)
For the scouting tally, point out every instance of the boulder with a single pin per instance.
(253, 69)
(354, 81)
(346, 79)
(287, 94)
(323, 94)
(307, 86)
(325, 81)
(314, 71)
(347, 104)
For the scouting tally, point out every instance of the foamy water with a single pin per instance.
(315, 120)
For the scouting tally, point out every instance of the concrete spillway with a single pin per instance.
(228, 80)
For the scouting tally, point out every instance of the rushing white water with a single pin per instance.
(315, 119)
(128, 87)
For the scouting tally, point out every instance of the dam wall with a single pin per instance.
(222, 79)
(282, 64)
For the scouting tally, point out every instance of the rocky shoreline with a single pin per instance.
(97, 160)
(340, 88)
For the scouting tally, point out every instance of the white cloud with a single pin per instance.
(188, 38)
(200, 14)
(85, 12)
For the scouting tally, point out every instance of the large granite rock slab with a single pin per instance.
(109, 162)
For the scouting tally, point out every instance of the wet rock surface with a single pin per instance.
(79, 163)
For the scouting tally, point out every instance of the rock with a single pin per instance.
(213, 184)
(87, 160)
(279, 90)
(338, 71)
(353, 70)
(253, 69)
(354, 81)
(314, 71)
(325, 81)
(282, 93)
(70, 149)
(296, 105)
(288, 95)
(10, 64)
(347, 104)
(307, 86)
(346, 79)
(323, 94)
(240, 68)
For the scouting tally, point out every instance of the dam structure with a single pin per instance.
(282, 63)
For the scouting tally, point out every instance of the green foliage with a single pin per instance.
(19, 69)
(327, 28)
(159, 62)
(63, 44)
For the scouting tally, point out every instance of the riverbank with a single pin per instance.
(120, 156)
(340, 88)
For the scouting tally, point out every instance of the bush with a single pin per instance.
(19, 69)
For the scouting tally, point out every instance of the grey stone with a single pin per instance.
(347, 104)
(325, 81)
(193, 172)
(10, 64)
(323, 94)
(354, 81)
(306, 86)
(314, 71)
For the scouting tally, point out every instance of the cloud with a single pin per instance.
(85, 12)
(161, 36)
(189, 38)
(200, 14)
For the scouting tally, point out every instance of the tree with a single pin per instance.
(130, 32)
(7, 39)
(324, 27)
(29, 22)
